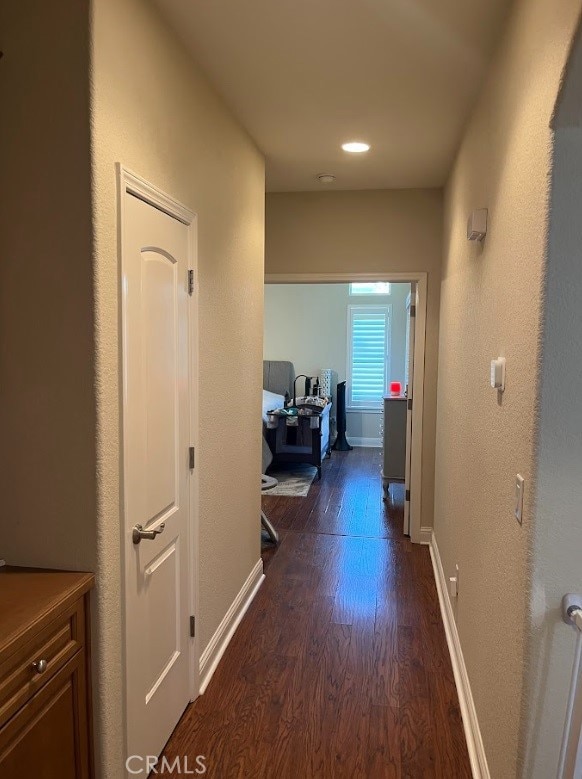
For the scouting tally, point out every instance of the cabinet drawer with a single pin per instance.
(56, 643)
(48, 738)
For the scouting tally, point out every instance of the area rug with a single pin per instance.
(294, 481)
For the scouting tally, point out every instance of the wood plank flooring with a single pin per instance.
(340, 668)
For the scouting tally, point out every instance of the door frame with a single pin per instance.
(130, 183)
(418, 534)
(410, 327)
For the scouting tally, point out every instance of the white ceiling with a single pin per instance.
(305, 75)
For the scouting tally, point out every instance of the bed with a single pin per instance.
(307, 440)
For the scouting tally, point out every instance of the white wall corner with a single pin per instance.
(426, 534)
(477, 756)
(217, 645)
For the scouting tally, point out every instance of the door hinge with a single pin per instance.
(407, 496)
(190, 282)
(412, 310)
(191, 457)
(409, 404)
(192, 626)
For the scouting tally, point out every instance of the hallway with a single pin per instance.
(340, 667)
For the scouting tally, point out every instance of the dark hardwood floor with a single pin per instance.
(340, 667)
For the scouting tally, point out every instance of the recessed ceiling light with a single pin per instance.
(356, 147)
(326, 178)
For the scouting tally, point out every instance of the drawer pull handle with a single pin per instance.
(40, 666)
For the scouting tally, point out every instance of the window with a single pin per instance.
(368, 355)
(370, 288)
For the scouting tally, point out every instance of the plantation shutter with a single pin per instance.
(368, 335)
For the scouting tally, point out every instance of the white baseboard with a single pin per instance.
(212, 655)
(475, 746)
(425, 536)
(375, 443)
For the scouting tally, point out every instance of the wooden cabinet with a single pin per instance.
(45, 716)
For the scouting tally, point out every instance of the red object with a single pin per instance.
(395, 388)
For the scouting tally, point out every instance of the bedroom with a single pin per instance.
(318, 337)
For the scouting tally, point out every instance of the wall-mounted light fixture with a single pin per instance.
(477, 225)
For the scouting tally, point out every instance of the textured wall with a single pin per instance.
(47, 417)
(156, 114)
(558, 531)
(491, 300)
(375, 231)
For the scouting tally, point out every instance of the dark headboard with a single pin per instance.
(278, 377)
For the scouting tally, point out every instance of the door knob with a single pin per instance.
(138, 533)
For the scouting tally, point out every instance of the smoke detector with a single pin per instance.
(326, 178)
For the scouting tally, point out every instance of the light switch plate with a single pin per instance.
(519, 488)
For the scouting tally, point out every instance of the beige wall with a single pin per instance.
(491, 299)
(557, 541)
(556, 567)
(156, 114)
(376, 231)
(47, 400)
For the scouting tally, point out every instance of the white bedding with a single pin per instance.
(271, 401)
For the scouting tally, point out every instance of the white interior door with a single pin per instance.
(156, 470)
(410, 332)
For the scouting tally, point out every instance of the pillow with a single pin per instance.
(271, 401)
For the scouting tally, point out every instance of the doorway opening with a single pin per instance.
(357, 341)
